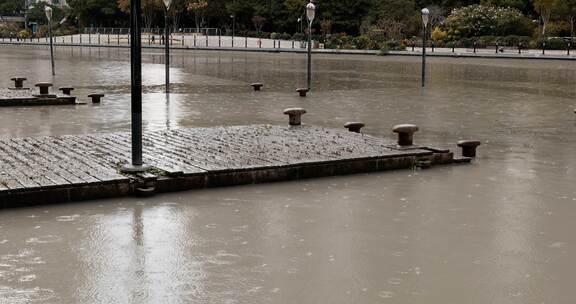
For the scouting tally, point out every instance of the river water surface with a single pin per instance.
(498, 231)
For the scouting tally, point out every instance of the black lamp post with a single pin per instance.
(136, 88)
(310, 14)
(48, 11)
(233, 17)
(425, 17)
(167, 39)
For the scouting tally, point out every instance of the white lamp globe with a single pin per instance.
(48, 11)
(167, 3)
(310, 11)
(425, 16)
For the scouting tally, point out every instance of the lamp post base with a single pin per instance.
(131, 169)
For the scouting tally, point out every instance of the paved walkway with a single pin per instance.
(68, 168)
(285, 46)
(178, 40)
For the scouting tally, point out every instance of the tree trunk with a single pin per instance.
(545, 18)
(572, 17)
(175, 21)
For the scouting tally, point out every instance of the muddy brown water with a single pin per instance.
(497, 231)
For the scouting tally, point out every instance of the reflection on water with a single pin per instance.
(498, 231)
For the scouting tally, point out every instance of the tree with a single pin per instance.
(544, 9)
(482, 20)
(89, 11)
(567, 9)
(243, 11)
(293, 11)
(198, 7)
(295, 8)
(149, 9)
(36, 13)
(571, 13)
(176, 9)
(346, 15)
(523, 5)
(11, 7)
(386, 29)
(437, 15)
(326, 27)
(258, 22)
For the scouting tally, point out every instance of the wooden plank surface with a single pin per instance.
(32, 163)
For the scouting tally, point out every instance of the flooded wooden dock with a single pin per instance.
(26, 98)
(42, 170)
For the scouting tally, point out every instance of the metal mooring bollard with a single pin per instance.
(295, 115)
(302, 92)
(18, 82)
(66, 90)
(44, 87)
(257, 86)
(354, 126)
(469, 147)
(96, 97)
(405, 134)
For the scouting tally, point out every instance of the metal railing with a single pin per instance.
(153, 31)
(120, 36)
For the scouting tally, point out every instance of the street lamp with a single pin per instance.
(425, 18)
(136, 87)
(48, 11)
(233, 17)
(300, 21)
(310, 13)
(167, 4)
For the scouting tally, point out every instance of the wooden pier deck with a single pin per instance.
(26, 98)
(69, 168)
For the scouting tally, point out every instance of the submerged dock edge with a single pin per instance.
(166, 184)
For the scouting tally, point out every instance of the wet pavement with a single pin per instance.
(499, 231)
